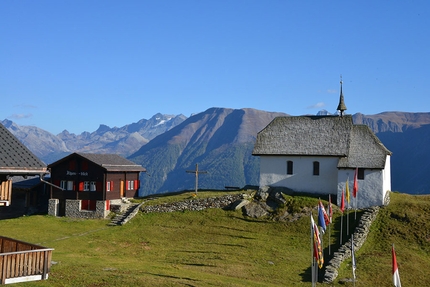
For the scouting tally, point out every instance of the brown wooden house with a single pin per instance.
(19, 261)
(87, 184)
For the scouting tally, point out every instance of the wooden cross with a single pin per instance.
(196, 172)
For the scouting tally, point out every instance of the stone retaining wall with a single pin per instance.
(193, 204)
(53, 207)
(73, 209)
(344, 252)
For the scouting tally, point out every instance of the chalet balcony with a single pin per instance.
(22, 262)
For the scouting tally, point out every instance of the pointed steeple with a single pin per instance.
(341, 107)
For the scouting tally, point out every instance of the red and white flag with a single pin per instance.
(318, 253)
(355, 187)
(396, 276)
(342, 202)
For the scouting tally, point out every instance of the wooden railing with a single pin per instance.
(21, 261)
(5, 192)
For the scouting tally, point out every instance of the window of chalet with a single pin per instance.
(86, 185)
(109, 185)
(360, 174)
(289, 167)
(316, 168)
(93, 186)
(130, 185)
(63, 184)
(66, 184)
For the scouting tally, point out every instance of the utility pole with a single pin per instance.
(196, 172)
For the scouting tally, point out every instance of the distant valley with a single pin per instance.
(221, 140)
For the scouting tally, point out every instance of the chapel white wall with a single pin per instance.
(370, 190)
(273, 172)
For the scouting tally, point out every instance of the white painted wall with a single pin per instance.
(387, 175)
(371, 190)
(273, 172)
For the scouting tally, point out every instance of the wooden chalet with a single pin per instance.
(19, 261)
(87, 184)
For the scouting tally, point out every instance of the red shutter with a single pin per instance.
(136, 184)
(107, 204)
(81, 186)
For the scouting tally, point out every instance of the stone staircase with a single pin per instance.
(127, 215)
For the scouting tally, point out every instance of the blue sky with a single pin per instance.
(77, 64)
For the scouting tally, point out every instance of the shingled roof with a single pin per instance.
(16, 158)
(355, 145)
(110, 162)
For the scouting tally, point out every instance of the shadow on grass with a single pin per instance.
(233, 236)
(196, 252)
(307, 275)
(174, 277)
(229, 245)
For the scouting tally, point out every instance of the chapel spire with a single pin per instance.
(341, 107)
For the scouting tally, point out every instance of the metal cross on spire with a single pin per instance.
(196, 172)
(341, 107)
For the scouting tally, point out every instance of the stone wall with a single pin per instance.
(53, 207)
(344, 252)
(193, 204)
(73, 209)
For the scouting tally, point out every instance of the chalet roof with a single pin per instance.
(355, 145)
(16, 158)
(110, 162)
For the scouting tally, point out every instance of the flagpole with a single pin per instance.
(347, 220)
(341, 229)
(312, 255)
(347, 206)
(329, 236)
(353, 259)
(330, 221)
(355, 192)
(355, 215)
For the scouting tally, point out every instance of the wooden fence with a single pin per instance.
(6, 192)
(22, 262)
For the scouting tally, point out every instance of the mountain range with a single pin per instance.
(220, 141)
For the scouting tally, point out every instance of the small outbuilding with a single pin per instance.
(85, 185)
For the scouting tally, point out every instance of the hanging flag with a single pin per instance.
(396, 276)
(355, 187)
(317, 244)
(321, 221)
(322, 213)
(354, 265)
(330, 209)
(342, 202)
(347, 190)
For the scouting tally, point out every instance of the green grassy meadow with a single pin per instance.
(215, 247)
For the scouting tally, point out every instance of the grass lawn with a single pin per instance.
(220, 248)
